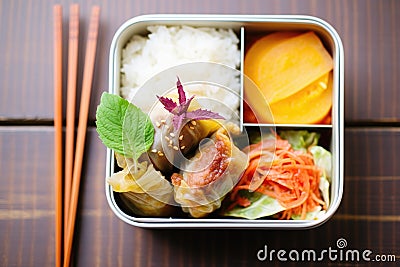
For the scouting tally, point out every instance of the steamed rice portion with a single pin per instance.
(168, 46)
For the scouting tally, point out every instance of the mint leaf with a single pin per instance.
(123, 127)
(137, 132)
(109, 120)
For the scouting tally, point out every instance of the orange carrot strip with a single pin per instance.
(290, 177)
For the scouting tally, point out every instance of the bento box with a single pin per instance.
(244, 30)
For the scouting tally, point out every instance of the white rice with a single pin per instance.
(168, 46)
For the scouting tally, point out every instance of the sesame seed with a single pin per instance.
(182, 147)
(172, 134)
(175, 148)
(154, 150)
(158, 124)
(193, 123)
(170, 142)
(322, 84)
(163, 121)
(181, 137)
(160, 153)
(191, 127)
(167, 138)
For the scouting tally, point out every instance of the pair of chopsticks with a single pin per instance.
(73, 162)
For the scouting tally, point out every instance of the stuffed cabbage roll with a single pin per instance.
(145, 191)
(170, 148)
(212, 172)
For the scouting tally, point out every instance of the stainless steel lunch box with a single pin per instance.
(241, 24)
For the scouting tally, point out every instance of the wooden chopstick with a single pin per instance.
(57, 13)
(71, 96)
(82, 125)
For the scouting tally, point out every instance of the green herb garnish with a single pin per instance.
(123, 127)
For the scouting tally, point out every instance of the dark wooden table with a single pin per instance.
(369, 215)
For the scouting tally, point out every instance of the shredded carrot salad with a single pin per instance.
(277, 170)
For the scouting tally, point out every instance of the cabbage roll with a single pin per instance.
(212, 172)
(170, 148)
(145, 192)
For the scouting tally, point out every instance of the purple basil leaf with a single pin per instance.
(179, 111)
(168, 103)
(181, 92)
(177, 121)
(184, 107)
(203, 114)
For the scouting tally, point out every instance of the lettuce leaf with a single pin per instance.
(300, 140)
(261, 206)
(312, 215)
(323, 159)
(324, 188)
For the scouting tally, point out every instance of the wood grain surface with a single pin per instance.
(369, 31)
(369, 215)
(368, 218)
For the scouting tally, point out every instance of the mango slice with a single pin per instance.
(284, 68)
(309, 105)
